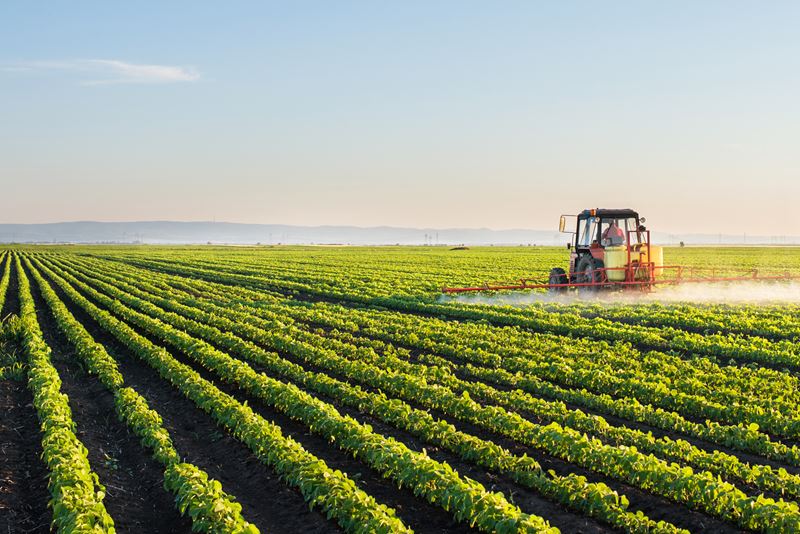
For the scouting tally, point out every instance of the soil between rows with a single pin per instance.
(23, 475)
(11, 304)
(266, 500)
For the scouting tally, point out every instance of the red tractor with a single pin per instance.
(611, 249)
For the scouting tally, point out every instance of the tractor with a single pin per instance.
(610, 247)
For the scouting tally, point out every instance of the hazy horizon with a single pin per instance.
(224, 232)
(445, 115)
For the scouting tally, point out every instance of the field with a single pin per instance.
(328, 389)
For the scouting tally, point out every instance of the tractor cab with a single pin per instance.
(600, 228)
(598, 232)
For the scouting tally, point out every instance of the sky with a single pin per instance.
(423, 114)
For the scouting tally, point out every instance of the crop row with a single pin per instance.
(5, 262)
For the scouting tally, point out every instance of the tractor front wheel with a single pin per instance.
(589, 273)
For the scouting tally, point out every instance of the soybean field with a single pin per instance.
(335, 389)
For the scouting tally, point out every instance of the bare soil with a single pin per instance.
(23, 475)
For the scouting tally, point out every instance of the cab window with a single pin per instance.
(587, 231)
(613, 237)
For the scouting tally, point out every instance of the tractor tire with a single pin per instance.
(587, 273)
(557, 276)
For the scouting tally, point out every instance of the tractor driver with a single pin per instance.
(613, 235)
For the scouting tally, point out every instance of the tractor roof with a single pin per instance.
(621, 213)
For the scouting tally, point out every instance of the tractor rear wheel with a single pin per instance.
(557, 276)
(589, 273)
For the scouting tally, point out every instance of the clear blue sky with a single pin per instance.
(468, 114)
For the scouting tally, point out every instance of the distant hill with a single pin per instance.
(171, 232)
